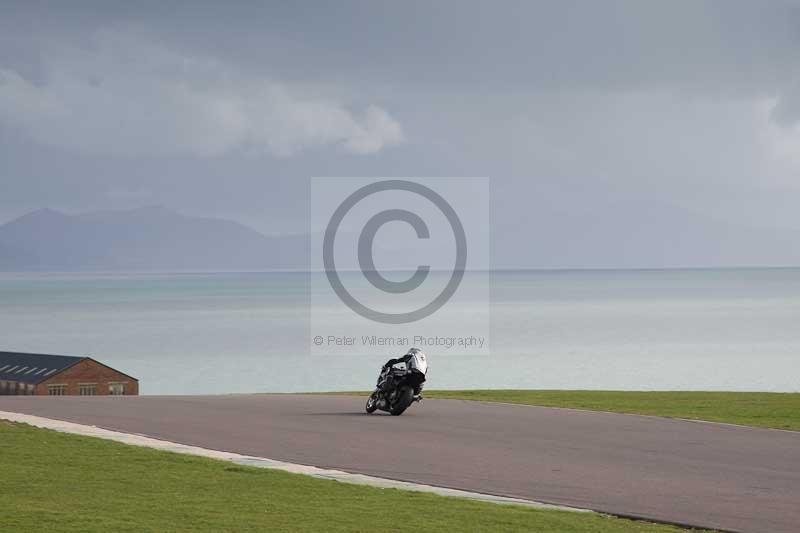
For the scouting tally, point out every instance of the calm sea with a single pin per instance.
(222, 333)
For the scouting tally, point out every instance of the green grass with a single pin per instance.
(52, 481)
(761, 409)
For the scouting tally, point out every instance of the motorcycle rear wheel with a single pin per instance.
(405, 397)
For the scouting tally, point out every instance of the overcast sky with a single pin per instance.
(615, 133)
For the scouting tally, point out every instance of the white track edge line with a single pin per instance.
(262, 462)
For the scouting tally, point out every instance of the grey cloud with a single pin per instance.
(127, 95)
(786, 109)
(591, 118)
(725, 46)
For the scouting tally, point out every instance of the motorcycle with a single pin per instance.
(398, 388)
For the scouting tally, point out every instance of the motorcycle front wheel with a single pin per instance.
(372, 402)
(405, 397)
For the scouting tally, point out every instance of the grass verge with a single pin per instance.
(760, 409)
(57, 482)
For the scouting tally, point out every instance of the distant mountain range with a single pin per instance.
(157, 238)
(148, 238)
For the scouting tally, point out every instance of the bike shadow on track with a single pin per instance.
(360, 414)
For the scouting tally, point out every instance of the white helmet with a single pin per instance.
(418, 361)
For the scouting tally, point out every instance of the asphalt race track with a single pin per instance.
(709, 475)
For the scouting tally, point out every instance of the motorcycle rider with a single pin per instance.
(411, 354)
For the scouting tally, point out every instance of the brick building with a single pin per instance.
(61, 375)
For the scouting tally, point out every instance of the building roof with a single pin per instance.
(33, 368)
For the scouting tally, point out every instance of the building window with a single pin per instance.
(56, 390)
(116, 389)
(87, 389)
